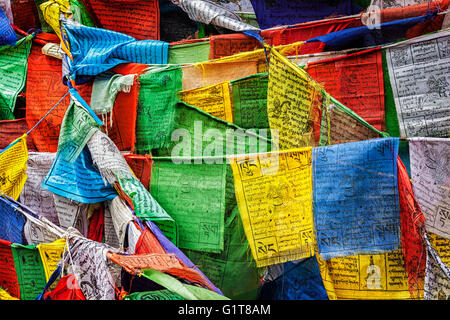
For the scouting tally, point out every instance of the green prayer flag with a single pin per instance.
(29, 269)
(250, 101)
(189, 53)
(154, 295)
(390, 112)
(198, 136)
(81, 14)
(146, 207)
(156, 104)
(194, 196)
(13, 74)
(188, 292)
(233, 270)
(77, 128)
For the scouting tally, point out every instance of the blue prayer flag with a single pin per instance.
(300, 280)
(7, 34)
(355, 192)
(95, 50)
(11, 222)
(79, 181)
(365, 36)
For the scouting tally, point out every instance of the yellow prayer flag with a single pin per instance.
(441, 245)
(4, 295)
(13, 166)
(51, 254)
(51, 11)
(214, 99)
(293, 101)
(370, 277)
(260, 56)
(206, 74)
(230, 68)
(274, 197)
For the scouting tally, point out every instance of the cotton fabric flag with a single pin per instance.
(10, 130)
(188, 292)
(79, 181)
(13, 70)
(308, 30)
(169, 247)
(157, 99)
(13, 166)
(274, 196)
(196, 51)
(233, 270)
(208, 12)
(105, 88)
(213, 99)
(163, 262)
(11, 222)
(250, 101)
(270, 14)
(7, 35)
(437, 272)
(293, 101)
(95, 50)
(356, 208)
(6, 7)
(51, 254)
(29, 269)
(114, 169)
(4, 295)
(33, 196)
(90, 267)
(422, 104)
(139, 19)
(154, 295)
(51, 11)
(24, 14)
(341, 125)
(42, 68)
(8, 276)
(77, 128)
(67, 288)
(209, 139)
(210, 73)
(141, 165)
(299, 280)
(363, 36)
(194, 196)
(366, 277)
(224, 45)
(412, 227)
(430, 177)
(356, 80)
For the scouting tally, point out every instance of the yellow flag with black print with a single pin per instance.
(13, 167)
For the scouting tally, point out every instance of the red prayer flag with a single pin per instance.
(139, 19)
(13, 129)
(412, 223)
(66, 289)
(141, 165)
(356, 80)
(8, 275)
